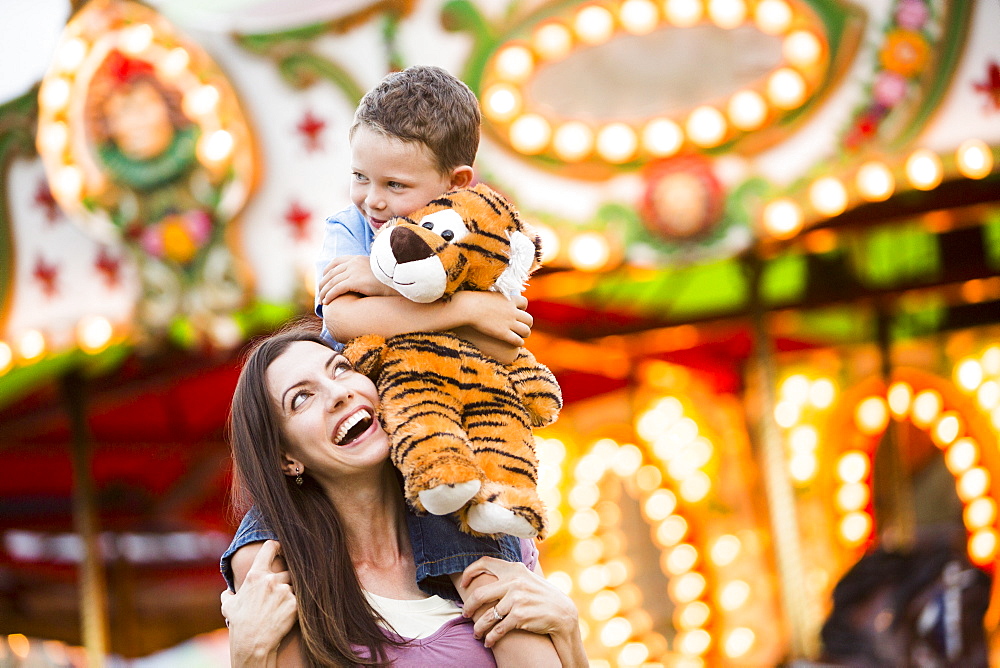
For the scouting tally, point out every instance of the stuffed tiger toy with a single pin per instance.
(459, 422)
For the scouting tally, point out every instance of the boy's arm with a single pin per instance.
(488, 313)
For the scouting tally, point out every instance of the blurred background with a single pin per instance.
(772, 243)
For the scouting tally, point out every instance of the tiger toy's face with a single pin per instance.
(467, 239)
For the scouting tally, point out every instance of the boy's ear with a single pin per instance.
(461, 176)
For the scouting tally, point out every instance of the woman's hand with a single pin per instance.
(262, 611)
(523, 600)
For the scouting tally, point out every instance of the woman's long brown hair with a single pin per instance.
(334, 614)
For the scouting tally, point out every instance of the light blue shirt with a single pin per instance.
(344, 233)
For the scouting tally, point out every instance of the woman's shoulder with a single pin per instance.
(451, 645)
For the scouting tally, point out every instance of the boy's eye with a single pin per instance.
(358, 176)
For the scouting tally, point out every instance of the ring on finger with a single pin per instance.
(496, 615)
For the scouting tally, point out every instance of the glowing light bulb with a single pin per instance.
(638, 16)
(782, 218)
(53, 137)
(67, 184)
(174, 63)
(900, 395)
(801, 48)
(980, 513)
(684, 13)
(875, 182)
(727, 14)
(32, 345)
(662, 137)
(747, 110)
(773, 16)
(974, 483)
(924, 170)
(706, 126)
(54, 94)
(71, 54)
(855, 527)
(822, 392)
(983, 546)
(738, 642)
(594, 24)
(786, 89)
(974, 159)
(514, 63)
(871, 416)
(552, 40)
(961, 456)
(852, 496)
(501, 102)
(6, 357)
(947, 428)
(201, 101)
(969, 374)
(93, 333)
(828, 196)
(137, 38)
(530, 134)
(589, 251)
(725, 549)
(215, 147)
(926, 407)
(734, 594)
(617, 142)
(853, 466)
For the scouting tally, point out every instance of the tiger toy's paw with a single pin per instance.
(494, 518)
(445, 499)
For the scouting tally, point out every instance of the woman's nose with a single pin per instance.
(336, 394)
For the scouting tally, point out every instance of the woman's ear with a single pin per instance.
(291, 467)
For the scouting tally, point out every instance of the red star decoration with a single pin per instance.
(298, 218)
(45, 200)
(46, 274)
(991, 87)
(109, 267)
(311, 127)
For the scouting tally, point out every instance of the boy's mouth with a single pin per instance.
(376, 223)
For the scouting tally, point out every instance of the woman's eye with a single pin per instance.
(298, 399)
(341, 367)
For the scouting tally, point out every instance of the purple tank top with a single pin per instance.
(453, 644)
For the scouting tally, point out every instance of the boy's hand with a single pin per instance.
(350, 273)
(496, 316)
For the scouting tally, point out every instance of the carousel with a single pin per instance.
(770, 293)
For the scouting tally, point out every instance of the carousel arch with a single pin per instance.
(962, 432)
(692, 593)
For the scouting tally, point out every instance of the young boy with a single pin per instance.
(415, 137)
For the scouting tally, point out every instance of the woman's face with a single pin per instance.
(327, 411)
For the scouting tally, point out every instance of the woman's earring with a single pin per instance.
(298, 476)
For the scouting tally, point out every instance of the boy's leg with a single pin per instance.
(517, 649)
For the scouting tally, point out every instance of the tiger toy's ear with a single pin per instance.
(365, 354)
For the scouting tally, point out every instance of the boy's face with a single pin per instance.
(391, 177)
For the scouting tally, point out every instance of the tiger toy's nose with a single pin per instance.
(407, 246)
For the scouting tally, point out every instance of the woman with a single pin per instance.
(310, 453)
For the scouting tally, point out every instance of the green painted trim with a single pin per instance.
(296, 67)
(949, 53)
(17, 139)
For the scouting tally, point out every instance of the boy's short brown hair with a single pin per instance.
(425, 104)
